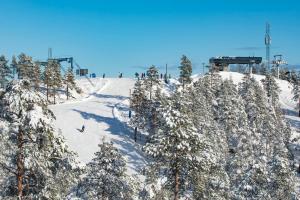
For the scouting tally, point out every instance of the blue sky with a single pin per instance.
(114, 36)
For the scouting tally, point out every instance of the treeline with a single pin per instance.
(205, 139)
(212, 139)
(48, 79)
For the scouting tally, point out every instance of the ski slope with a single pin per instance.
(101, 112)
(103, 109)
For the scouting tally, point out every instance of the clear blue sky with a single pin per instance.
(114, 36)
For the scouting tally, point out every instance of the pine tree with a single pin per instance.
(106, 176)
(269, 140)
(47, 79)
(57, 78)
(138, 104)
(52, 78)
(296, 91)
(36, 76)
(5, 72)
(152, 80)
(69, 81)
(25, 67)
(272, 89)
(185, 71)
(175, 144)
(14, 65)
(35, 158)
(210, 180)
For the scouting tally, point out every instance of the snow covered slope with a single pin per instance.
(99, 112)
(103, 109)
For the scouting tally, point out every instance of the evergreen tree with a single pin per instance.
(52, 78)
(174, 145)
(25, 67)
(14, 65)
(269, 137)
(152, 80)
(69, 81)
(5, 72)
(210, 180)
(185, 71)
(36, 160)
(57, 78)
(272, 89)
(36, 76)
(296, 91)
(47, 78)
(139, 105)
(106, 176)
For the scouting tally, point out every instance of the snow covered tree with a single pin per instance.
(152, 80)
(57, 78)
(36, 76)
(106, 176)
(271, 88)
(185, 71)
(296, 91)
(47, 79)
(25, 67)
(210, 180)
(174, 145)
(139, 104)
(37, 161)
(269, 138)
(52, 78)
(5, 72)
(14, 65)
(69, 81)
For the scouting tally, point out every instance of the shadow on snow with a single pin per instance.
(128, 146)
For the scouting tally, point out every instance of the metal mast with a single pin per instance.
(268, 44)
(49, 53)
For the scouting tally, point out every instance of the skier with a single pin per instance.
(82, 128)
(103, 75)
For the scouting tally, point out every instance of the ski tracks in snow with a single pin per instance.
(100, 113)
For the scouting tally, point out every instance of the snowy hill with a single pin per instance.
(103, 109)
(100, 112)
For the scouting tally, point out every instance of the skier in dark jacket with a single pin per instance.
(82, 128)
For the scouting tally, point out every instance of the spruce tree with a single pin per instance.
(57, 78)
(5, 72)
(174, 145)
(185, 71)
(25, 67)
(36, 159)
(269, 140)
(152, 80)
(210, 180)
(271, 88)
(36, 76)
(139, 104)
(14, 65)
(69, 81)
(106, 176)
(296, 91)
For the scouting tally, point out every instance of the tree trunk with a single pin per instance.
(150, 89)
(47, 92)
(20, 165)
(176, 194)
(54, 92)
(299, 107)
(67, 91)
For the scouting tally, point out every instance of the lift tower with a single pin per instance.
(268, 45)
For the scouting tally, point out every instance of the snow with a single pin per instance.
(102, 111)
(289, 108)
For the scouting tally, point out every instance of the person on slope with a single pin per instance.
(82, 128)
